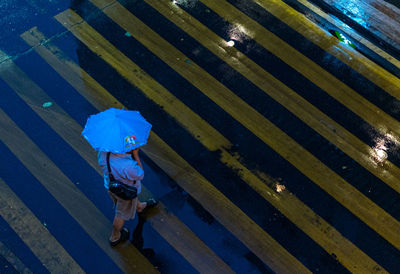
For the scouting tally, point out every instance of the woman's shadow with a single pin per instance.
(138, 240)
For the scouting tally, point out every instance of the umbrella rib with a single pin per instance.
(120, 134)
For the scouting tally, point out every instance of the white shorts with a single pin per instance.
(124, 209)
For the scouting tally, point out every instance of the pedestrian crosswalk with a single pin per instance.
(163, 222)
(68, 195)
(381, 17)
(346, 29)
(42, 243)
(94, 95)
(229, 170)
(347, 55)
(13, 260)
(178, 165)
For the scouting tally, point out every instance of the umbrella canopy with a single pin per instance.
(116, 130)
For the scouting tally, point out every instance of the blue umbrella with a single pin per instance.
(116, 130)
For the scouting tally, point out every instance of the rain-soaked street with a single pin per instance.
(275, 145)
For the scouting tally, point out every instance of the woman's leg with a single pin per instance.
(140, 206)
(118, 224)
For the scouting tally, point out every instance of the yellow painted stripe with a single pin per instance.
(303, 160)
(326, 81)
(187, 244)
(218, 205)
(33, 233)
(12, 258)
(345, 28)
(127, 257)
(334, 242)
(293, 102)
(297, 21)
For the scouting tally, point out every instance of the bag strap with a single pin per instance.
(109, 168)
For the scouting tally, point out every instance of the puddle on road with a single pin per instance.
(354, 10)
(186, 3)
(379, 152)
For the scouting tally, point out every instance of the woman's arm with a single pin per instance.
(135, 154)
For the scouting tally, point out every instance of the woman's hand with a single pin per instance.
(135, 154)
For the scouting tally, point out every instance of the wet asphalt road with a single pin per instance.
(266, 131)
